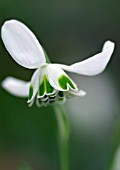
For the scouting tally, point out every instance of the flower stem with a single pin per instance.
(63, 137)
(63, 132)
(46, 56)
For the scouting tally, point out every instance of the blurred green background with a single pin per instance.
(70, 31)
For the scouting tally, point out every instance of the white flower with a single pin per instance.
(49, 83)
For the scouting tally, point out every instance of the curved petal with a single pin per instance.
(72, 94)
(59, 79)
(22, 44)
(93, 65)
(79, 93)
(16, 87)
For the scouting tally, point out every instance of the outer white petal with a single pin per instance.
(93, 65)
(22, 44)
(16, 87)
(54, 72)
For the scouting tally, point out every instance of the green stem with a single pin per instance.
(46, 56)
(63, 131)
(115, 145)
(63, 137)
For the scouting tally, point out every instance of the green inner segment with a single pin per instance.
(49, 88)
(42, 89)
(63, 81)
(45, 87)
(30, 92)
(61, 94)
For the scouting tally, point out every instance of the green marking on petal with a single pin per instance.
(49, 88)
(45, 87)
(41, 88)
(64, 80)
(30, 92)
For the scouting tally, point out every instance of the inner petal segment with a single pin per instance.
(65, 81)
(45, 88)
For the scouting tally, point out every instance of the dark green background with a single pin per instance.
(70, 31)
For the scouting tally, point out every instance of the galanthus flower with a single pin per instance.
(49, 83)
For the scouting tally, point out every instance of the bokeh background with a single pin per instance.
(70, 31)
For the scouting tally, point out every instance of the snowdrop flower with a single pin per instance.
(49, 83)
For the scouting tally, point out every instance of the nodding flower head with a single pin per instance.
(49, 83)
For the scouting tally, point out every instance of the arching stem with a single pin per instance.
(63, 137)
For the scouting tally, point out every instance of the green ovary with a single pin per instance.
(64, 80)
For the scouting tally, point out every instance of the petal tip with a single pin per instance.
(6, 23)
(22, 44)
(15, 86)
(109, 44)
(5, 83)
(83, 93)
(10, 21)
(80, 93)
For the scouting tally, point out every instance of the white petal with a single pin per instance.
(93, 65)
(80, 93)
(16, 87)
(35, 83)
(56, 78)
(22, 44)
(70, 94)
